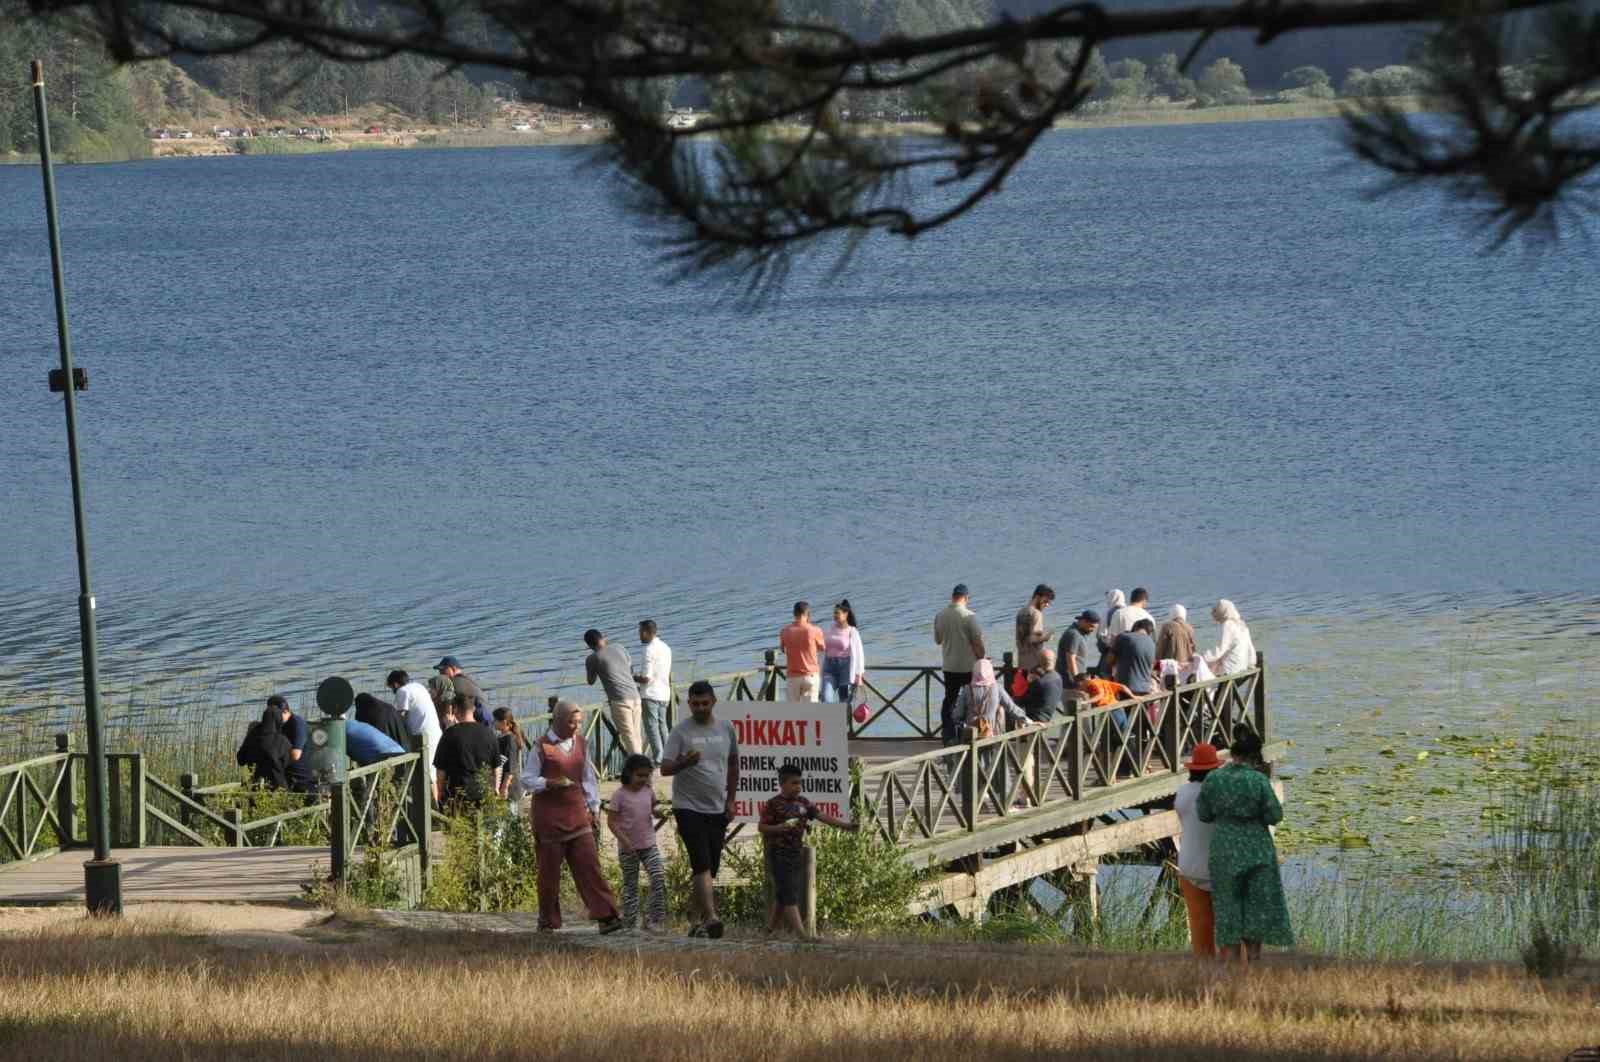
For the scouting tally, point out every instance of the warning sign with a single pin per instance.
(814, 737)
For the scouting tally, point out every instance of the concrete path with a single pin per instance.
(212, 875)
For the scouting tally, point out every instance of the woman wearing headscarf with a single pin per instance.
(1175, 640)
(985, 707)
(1246, 887)
(265, 751)
(1236, 652)
(1116, 601)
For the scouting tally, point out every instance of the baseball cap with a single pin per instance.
(448, 661)
(1089, 614)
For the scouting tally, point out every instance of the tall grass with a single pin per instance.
(93, 989)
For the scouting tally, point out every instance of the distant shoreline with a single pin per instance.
(1167, 115)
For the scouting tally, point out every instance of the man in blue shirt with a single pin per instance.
(301, 780)
(367, 744)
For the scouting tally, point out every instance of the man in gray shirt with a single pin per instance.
(610, 664)
(1136, 657)
(960, 638)
(702, 759)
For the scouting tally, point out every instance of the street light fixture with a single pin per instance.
(102, 875)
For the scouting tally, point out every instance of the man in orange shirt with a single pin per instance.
(1103, 691)
(802, 641)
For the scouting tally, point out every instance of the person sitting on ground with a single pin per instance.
(1236, 652)
(466, 764)
(1043, 699)
(631, 818)
(266, 751)
(367, 744)
(512, 744)
(1175, 639)
(1246, 885)
(382, 716)
(566, 799)
(784, 821)
(1136, 658)
(1194, 851)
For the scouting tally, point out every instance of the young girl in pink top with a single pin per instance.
(630, 816)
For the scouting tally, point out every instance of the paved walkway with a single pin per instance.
(214, 875)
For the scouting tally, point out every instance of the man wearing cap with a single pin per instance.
(1072, 655)
(467, 689)
(957, 633)
(612, 666)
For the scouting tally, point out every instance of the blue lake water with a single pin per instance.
(353, 411)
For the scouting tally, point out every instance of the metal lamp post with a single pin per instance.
(102, 875)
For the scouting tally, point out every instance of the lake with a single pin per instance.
(354, 411)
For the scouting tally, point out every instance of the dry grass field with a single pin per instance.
(164, 987)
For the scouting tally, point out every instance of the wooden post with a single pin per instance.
(339, 830)
(235, 818)
(1171, 730)
(808, 909)
(114, 801)
(969, 783)
(136, 828)
(186, 783)
(1075, 757)
(1261, 697)
(67, 793)
(418, 812)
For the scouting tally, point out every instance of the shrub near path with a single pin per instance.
(352, 990)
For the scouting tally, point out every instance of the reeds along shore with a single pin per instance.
(164, 991)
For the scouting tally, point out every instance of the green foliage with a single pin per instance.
(863, 881)
(1309, 82)
(490, 863)
(1385, 82)
(1128, 81)
(1546, 955)
(1222, 84)
(91, 113)
(1169, 79)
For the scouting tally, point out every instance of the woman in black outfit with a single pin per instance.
(266, 751)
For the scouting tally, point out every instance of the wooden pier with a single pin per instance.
(981, 815)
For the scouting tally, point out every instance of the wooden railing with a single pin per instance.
(1075, 758)
(358, 818)
(36, 794)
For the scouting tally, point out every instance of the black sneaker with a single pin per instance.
(697, 931)
(714, 929)
(610, 925)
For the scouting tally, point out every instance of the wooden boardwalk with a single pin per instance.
(212, 875)
(993, 812)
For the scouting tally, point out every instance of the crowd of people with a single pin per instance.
(474, 751)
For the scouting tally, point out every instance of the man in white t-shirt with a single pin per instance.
(655, 686)
(415, 709)
(1137, 608)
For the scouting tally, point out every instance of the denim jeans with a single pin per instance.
(655, 722)
(836, 685)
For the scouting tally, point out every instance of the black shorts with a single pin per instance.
(702, 836)
(787, 867)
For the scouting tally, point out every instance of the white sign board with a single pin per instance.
(773, 733)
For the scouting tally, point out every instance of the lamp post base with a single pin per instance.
(102, 886)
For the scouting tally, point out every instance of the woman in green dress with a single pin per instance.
(1247, 890)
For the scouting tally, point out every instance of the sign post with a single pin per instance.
(814, 737)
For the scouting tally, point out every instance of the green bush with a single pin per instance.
(490, 863)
